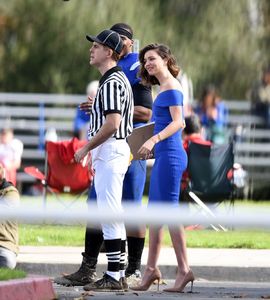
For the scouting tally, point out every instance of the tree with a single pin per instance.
(43, 46)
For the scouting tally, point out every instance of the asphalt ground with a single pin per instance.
(201, 290)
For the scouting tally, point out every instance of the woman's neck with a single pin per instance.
(165, 79)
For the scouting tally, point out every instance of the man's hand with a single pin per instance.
(90, 165)
(80, 154)
(87, 106)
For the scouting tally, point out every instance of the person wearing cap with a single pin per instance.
(9, 238)
(134, 180)
(110, 125)
(135, 177)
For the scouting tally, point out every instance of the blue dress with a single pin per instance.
(170, 156)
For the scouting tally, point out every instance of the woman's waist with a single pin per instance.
(168, 145)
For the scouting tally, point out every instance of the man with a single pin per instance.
(9, 247)
(110, 124)
(134, 181)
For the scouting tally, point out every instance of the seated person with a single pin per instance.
(192, 133)
(11, 150)
(260, 97)
(9, 245)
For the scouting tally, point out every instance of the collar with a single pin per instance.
(108, 73)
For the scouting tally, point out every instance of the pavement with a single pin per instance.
(207, 264)
(220, 274)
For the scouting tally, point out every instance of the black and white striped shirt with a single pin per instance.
(114, 95)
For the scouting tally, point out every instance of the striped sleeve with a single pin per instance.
(112, 97)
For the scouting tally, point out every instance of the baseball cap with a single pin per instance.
(121, 28)
(108, 38)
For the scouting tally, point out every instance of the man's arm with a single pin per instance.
(141, 114)
(142, 103)
(106, 131)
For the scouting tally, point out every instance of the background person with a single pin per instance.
(81, 121)
(260, 97)
(11, 150)
(158, 66)
(9, 238)
(193, 132)
(213, 114)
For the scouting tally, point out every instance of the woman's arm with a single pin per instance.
(176, 123)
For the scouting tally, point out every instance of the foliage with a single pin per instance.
(43, 46)
(7, 274)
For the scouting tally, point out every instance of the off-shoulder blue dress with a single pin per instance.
(170, 156)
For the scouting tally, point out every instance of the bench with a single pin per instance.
(31, 115)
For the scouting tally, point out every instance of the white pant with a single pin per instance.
(110, 161)
(7, 258)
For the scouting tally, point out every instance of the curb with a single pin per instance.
(30, 288)
(216, 273)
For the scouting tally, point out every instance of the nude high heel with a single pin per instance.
(189, 277)
(154, 274)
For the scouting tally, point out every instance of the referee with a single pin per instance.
(110, 124)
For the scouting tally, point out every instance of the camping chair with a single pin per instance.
(61, 173)
(210, 170)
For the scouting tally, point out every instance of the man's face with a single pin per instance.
(127, 45)
(98, 54)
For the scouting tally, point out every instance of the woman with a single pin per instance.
(158, 66)
(213, 114)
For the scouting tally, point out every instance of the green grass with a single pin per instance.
(7, 274)
(49, 235)
(57, 235)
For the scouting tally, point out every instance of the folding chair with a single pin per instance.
(210, 169)
(61, 173)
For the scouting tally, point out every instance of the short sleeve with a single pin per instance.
(170, 98)
(112, 97)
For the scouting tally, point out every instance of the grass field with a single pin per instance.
(56, 235)
(44, 235)
(6, 274)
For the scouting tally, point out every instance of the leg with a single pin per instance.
(93, 241)
(179, 244)
(7, 258)
(151, 272)
(109, 192)
(110, 165)
(155, 239)
(133, 188)
(184, 274)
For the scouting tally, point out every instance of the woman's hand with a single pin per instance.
(146, 149)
